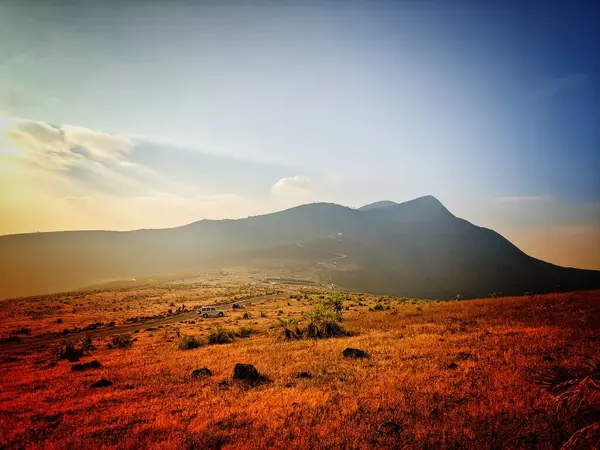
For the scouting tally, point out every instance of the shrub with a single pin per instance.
(189, 343)
(286, 326)
(324, 323)
(219, 335)
(121, 341)
(67, 350)
(574, 396)
(244, 332)
(72, 351)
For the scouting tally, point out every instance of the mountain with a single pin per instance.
(377, 205)
(417, 248)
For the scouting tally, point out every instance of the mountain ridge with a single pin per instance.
(414, 248)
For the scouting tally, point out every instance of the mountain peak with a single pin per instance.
(428, 205)
(378, 205)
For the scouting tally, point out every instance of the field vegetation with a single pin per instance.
(303, 368)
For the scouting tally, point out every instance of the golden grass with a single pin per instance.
(405, 395)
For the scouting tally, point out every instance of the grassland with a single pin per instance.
(460, 374)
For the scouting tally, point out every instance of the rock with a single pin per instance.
(102, 383)
(354, 353)
(452, 366)
(464, 356)
(303, 375)
(549, 358)
(85, 366)
(391, 428)
(245, 372)
(201, 373)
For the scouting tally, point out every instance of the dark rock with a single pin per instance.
(102, 383)
(391, 428)
(452, 366)
(549, 358)
(464, 356)
(200, 373)
(85, 366)
(303, 375)
(246, 372)
(354, 353)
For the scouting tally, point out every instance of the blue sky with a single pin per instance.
(224, 110)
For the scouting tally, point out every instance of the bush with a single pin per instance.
(324, 323)
(121, 341)
(72, 351)
(189, 343)
(219, 335)
(244, 332)
(67, 350)
(287, 331)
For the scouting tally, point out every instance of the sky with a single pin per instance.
(122, 115)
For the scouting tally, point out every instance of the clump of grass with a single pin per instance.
(574, 395)
(121, 341)
(244, 332)
(72, 351)
(287, 328)
(189, 343)
(219, 335)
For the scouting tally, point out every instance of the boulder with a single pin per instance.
(354, 353)
(201, 373)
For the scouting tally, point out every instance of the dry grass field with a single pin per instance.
(461, 374)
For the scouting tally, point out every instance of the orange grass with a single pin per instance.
(403, 396)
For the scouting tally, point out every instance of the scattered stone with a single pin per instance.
(303, 375)
(246, 372)
(391, 428)
(102, 383)
(85, 366)
(354, 353)
(549, 358)
(452, 366)
(10, 359)
(201, 373)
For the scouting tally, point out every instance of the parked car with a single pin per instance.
(210, 311)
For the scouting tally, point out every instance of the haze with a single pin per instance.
(121, 115)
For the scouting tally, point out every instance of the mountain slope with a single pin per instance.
(416, 248)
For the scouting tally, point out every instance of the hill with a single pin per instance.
(417, 248)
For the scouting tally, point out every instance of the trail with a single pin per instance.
(328, 261)
(46, 340)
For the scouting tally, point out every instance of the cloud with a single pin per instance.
(561, 85)
(298, 185)
(67, 177)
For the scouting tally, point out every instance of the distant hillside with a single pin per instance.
(417, 248)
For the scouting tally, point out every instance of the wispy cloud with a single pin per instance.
(561, 85)
(67, 177)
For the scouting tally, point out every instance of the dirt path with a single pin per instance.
(47, 340)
